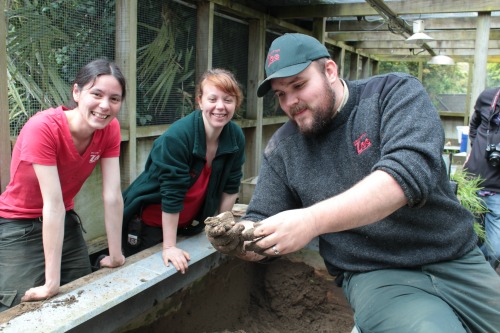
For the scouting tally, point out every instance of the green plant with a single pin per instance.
(468, 185)
(47, 43)
(159, 64)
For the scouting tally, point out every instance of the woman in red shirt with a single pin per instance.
(41, 241)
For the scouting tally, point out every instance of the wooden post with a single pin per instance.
(375, 67)
(5, 150)
(480, 57)
(204, 36)
(354, 72)
(255, 105)
(126, 58)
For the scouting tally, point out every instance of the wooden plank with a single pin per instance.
(5, 149)
(255, 106)
(448, 23)
(388, 36)
(97, 244)
(126, 40)
(204, 36)
(414, 7)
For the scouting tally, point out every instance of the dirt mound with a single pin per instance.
(241, 297)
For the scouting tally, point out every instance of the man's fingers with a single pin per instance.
(231, 247)
(215, 231)
(252, 246)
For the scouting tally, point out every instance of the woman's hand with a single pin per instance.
(178, 257)
(40, 293)
(112, 262)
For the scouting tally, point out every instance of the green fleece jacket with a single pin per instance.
(175, 163)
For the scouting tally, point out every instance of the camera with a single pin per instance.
(493, 154)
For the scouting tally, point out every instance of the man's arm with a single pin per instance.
(372, 199)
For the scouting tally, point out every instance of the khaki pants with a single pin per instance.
(22, 261)
(461, 295)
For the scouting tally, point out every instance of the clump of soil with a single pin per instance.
(286, 295)
(227, 233)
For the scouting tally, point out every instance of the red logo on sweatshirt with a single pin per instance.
(362, 143)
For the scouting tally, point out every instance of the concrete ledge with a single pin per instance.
(107, 299)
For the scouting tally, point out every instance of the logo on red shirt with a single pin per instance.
(362, 143)
(94, 157)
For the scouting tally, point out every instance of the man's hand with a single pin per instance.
(226, 235)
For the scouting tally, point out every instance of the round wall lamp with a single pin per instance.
(441, 60)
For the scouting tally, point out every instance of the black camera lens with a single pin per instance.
(494, 159)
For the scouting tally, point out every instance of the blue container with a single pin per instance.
(463, 143)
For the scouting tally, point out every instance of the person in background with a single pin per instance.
(359, 165)
(484, 161)
(41, 241)
(194, 169)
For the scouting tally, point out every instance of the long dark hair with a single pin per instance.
(92, 70)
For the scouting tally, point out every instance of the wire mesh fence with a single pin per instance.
(47, 43)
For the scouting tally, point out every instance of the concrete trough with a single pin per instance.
(104, 300)
(217, 294)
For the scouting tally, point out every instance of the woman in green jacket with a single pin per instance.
(194, 170)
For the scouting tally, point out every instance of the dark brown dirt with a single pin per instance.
(286, 295)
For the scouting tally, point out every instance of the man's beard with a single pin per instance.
(322, 116)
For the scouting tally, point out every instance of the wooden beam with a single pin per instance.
(451, 23)
(388, 36)
(255, 106)
(204, 36)
(126, 40)
(415, 53)
(247, 12)
(445, 44)
(480, 57)
(414, 7)
(5, 150)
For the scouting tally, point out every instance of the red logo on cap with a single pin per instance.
(272, 57)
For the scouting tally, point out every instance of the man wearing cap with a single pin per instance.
(359, 165)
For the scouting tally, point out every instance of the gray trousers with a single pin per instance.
(456, 296)
(22, 261)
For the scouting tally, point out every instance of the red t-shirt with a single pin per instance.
(45, 139)
(151, 214)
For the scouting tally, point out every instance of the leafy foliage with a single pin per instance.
(399, 66)
(468, 185)
(437, 79)
(493, 79)
(47, 43)
(165, 64)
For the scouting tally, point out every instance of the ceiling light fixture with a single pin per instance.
(441, 60)
(418, 37)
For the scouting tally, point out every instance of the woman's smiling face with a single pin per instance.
(99, 101)
(217, 106)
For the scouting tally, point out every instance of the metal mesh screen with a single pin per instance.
(166, 37)
(271, 105)
(230, 51)
(47, 44)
